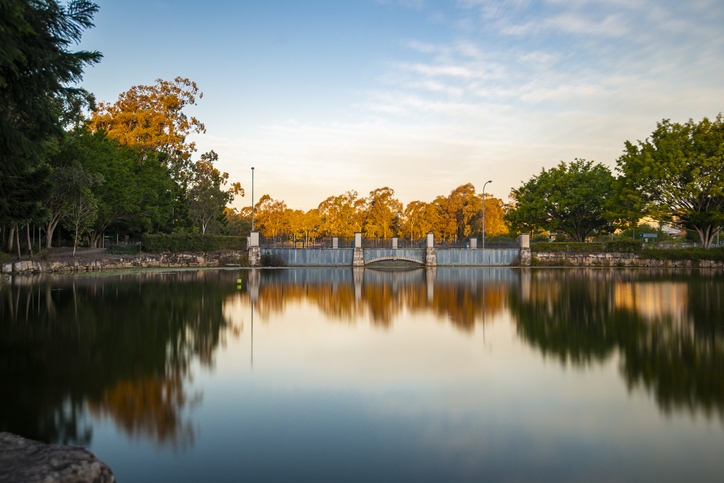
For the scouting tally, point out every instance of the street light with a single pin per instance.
(489, 181)
(252, 199)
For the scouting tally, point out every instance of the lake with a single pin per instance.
(446, 374)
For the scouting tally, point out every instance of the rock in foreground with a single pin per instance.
(28, 461)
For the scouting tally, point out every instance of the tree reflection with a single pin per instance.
(121, 346)
(463, 299)
(665, 326)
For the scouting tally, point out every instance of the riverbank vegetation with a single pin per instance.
(128, 167)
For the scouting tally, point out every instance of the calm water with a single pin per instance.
(341, 375)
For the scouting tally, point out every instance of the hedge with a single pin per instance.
(619, 246)
(694, 254)
(123, 249)
(191, 243)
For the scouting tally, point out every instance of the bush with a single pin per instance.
(271, 260)
(622, 246)
(123, 249)
(694, 254)
(191, 243)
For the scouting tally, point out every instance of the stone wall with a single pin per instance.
(115, 262)
(613, 260)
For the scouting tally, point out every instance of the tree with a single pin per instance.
(573, 198)
(342, 215)
(134, 196)
(81, 207)
(678, 174)
(152, 118)
(36, 70)
(207, 200)
(383, 213)
(494, 216)
(271, 215)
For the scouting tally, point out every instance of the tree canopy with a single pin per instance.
(678, 174)
(571, 197)
(152, 118)
(37, 71)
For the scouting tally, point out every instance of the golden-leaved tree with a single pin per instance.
(152, 118)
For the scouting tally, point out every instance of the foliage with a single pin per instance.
(572, 198)
(620, 246)
(271, 260)
(191, 243)
(383, 213)
(694, 254)
(36, 69)
(679, 174)
(237, 224)
(206, 198)
(152, 118)
(123, 249)
(342, 215)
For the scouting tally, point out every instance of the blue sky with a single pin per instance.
(322, 97)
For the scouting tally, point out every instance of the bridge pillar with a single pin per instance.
(525, 255)
(253, 250)
(394, 243)
(473, 243)
(430, 257)
(358, 257)
(335, 242)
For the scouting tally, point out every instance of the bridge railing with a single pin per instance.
(285, 241)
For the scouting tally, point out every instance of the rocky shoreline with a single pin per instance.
(102, 261)
(27, 461)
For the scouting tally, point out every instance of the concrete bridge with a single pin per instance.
(360, 257)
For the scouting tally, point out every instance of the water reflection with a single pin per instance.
(77, 350)
(120, 346)
(666, 326)
(464, 296)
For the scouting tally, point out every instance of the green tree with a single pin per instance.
(678, 174)
(136, 194)
(573, 198)
(207, 200)
(81, 207)
(36, 71)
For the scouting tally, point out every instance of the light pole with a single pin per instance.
(252, 199)
(489, 181)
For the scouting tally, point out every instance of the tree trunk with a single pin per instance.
(75, 239)
(17, 241)
(49, 229)
(27, 234)
(94, 237)
(11, 238)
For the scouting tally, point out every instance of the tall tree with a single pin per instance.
(678, 172)
(271, 215)
(207, 200)
(573, 198)
(383, 214)
(152, 118)
(81, 207)
(36, 73)
(342, 215)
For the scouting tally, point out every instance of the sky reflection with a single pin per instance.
(502, 374)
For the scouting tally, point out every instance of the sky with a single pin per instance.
(323, 97)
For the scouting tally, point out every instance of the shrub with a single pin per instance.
(191, 243)
(123, 249)
(623, 246)
(694, 254)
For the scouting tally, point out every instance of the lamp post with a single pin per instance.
(489, 181)
(252, 199)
